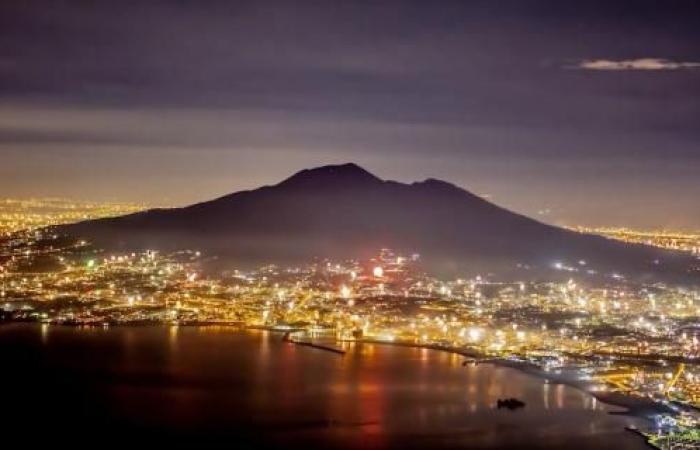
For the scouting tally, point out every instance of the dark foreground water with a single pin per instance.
(247, 389)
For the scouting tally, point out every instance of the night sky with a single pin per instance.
(570, 111)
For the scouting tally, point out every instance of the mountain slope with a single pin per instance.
(344, 211)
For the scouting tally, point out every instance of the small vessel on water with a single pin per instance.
(510, 403)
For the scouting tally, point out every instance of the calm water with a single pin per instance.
(250, 390)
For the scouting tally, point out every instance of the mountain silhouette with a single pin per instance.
(344, 211)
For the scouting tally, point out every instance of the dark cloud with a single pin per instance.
(240, 93)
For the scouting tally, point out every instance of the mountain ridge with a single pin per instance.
(344, 211)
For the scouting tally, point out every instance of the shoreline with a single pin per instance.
(634, 406)
(641, 434)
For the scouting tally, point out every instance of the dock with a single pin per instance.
(288, 338)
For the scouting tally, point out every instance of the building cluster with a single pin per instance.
(30, 214)
(642, 340)
(672, 240)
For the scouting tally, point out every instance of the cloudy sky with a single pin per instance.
(573, 112)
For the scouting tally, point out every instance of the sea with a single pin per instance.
(236, 388)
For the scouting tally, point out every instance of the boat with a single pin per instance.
(510, 403)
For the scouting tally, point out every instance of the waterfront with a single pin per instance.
(171, 384)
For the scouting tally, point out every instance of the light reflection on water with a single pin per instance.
(249, 385)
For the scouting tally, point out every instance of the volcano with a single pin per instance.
(343, 211)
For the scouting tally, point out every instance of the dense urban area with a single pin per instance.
(631, 345)
(672, 240)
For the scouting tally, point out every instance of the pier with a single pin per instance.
(288, 338)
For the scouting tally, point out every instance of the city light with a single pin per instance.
(552, 326)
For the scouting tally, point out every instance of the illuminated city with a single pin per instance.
(29, 214)
(343, 225)
(627, 344)
(682, 241)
